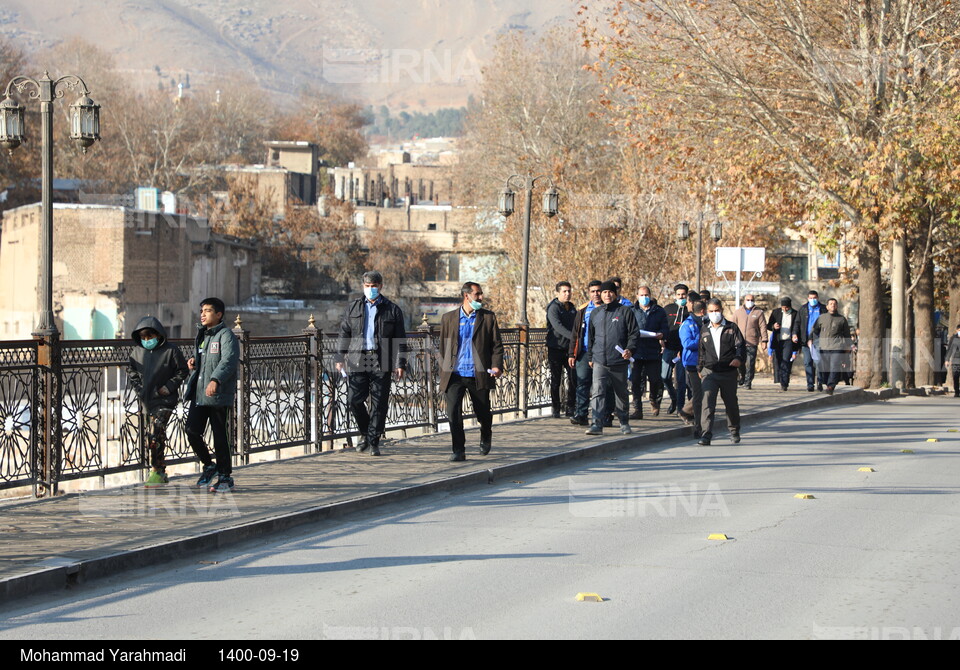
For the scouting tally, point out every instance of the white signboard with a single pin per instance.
(741, 259)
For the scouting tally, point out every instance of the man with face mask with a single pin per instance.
(808, 315)
(784, 341)
(752, 324)
(677, 313)
(721, 353)
(156, 371)
(471, 359)
(371, 348)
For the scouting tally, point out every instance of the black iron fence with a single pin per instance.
(67, 411)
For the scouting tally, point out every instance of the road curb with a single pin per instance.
(73, 574)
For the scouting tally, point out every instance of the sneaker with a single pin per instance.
(594, 430)
(207, 475)
(224, 484)
(157, 478)
(625, 429)
(735, 437)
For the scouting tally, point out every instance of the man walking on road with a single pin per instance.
(578, 357)
(211, 389)
(652, 326)
(808, 315)
(784, 340)
(371, 348)
(753, 326)
(691, 412)
(833, 333)
(561, 314)
(721, 352)
(471, 358)
(613, 338)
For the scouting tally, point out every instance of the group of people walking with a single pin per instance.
(687, 349)
(606, 349)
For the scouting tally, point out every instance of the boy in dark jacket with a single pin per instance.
(156, 371)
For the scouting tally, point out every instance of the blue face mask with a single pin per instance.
(150, 344)
(644, 300)
(813, 302)
(371, 293)
(475, 305)
(681, 301)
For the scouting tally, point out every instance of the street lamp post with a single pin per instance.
(84, 129)
(505, 205)
(683, 233)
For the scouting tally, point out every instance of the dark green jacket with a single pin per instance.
(216, 357)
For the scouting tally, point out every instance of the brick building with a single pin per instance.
(114, 265)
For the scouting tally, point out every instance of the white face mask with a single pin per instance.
(748, 304)
(714, 317)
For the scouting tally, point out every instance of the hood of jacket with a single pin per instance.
(154, 324)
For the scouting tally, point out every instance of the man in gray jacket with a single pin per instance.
(833, 332)
(211, 389)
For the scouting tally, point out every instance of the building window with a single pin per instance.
(794, 268)
(431, 226)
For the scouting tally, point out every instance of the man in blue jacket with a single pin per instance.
(690, 339)
(211, 389)
(808, 315)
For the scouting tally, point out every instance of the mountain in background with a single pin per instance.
(416, 54)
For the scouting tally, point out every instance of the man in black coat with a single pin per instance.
(784, 332)
(561, 314)
(371, 347)
(722, 351)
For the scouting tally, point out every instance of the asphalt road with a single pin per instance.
(871, 555)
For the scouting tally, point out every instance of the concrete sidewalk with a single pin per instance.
(54, 543)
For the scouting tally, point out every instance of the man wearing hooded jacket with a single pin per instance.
(156, 371)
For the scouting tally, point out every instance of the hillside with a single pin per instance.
(415, 53)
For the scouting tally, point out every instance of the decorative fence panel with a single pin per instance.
(68, 412)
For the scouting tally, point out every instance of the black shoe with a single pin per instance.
(207, 475)
(672, 408)
(580, 421)
(375, 451)
(740, 382)
(829, 390)
(484, 448)
(636, 415)
(224, 484)
(362, 445)
(809, 389)
(704, 441)
(735, 437)
(459, 456)
(556, 415)
(748, 386)
(608, 423)
(783, 388)
(819, 387)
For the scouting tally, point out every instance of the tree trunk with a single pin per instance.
(871, 321)
(924, 356)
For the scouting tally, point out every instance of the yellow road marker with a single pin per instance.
(717, 536)
(589, 598)
(804, 496)
(866, 470)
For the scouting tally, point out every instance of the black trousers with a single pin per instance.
(783, 366)
(646, 371)
(725, 384)
(558, 367)
(460, 386)
(219, 418)
(376, 386)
